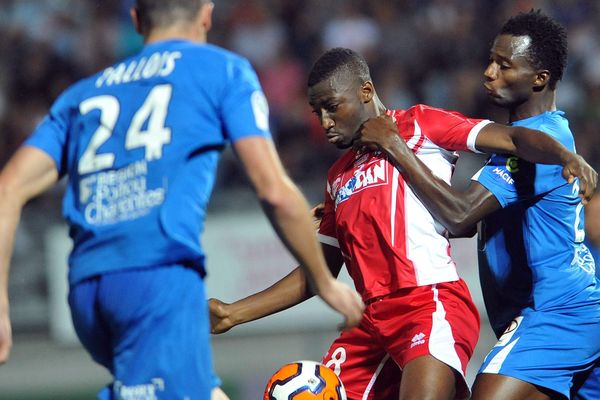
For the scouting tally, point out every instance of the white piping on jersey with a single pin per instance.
(414, 140)
(395, 178)
(328, 240)
(473, 135)
(496, 363)
(365, 395)
(441, 340)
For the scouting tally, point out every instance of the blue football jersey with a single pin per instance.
(140, 142)
(531, 251)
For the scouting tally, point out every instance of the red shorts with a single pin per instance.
(440, 320)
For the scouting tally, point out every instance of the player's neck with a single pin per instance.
(190, 33)
(536, 105)
(380, 109)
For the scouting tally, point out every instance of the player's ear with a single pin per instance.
(206, 15)
(135, 19)
(541, 79)
(367, 91)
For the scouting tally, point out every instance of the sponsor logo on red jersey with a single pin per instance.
(365, 176)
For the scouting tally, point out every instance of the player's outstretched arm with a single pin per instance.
(289, 214)
(285, 293)
(538, 147)
(27, 174)
(459, 211)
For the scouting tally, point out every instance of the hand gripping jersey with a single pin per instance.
(388, 238)
(531, 251)
(140, 143)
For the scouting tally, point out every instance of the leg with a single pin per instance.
(364, 368)
(427, 378)
(502, 387)
(430, 331)
(160, 333)
(539, 357)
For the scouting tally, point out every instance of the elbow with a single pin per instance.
(462, 230)
(278, 196)
(459, 228)
(10, 194)
(460, 223)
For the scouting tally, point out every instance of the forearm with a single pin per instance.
(528, 144)
(290, 216)
(285, 207)
(285, 293)
(537, 147)
(10, 211)
(446, 205)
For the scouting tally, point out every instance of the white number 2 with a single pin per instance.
(153, 138)
(579, 233)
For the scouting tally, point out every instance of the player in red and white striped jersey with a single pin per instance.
(389, 239)
(420, 325)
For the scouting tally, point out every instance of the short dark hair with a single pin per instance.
(548, 48)
(339, 60)
(162, 13)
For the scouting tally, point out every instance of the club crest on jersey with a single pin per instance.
(365, 176)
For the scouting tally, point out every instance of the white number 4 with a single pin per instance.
(153, 138)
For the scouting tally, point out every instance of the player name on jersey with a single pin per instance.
(157, 64)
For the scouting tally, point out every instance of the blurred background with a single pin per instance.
(420, 51)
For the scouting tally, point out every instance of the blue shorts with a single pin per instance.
(589, 388)
(150, 328)
(553, 350)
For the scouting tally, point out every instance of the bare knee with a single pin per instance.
(426, 378)
(502, 387)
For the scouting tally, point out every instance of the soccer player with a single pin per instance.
(420, 325)
(537, 277)
(140, 142)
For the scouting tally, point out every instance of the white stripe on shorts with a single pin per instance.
(496, 363)
(365, 395)
(441, 340)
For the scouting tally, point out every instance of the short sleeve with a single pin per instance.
(447, 129)
(50, 135)
(245, 110)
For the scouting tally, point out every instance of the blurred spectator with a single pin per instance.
(349, 27)
(256, 33)
(421, 52)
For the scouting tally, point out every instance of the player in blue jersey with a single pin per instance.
(139, 142)
(592, 229)
(537, 276)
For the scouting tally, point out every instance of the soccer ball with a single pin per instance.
(304, 380)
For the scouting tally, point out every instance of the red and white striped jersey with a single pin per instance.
(387, 237)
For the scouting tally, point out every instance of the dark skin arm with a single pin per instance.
(285, 293)
(460, 211)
